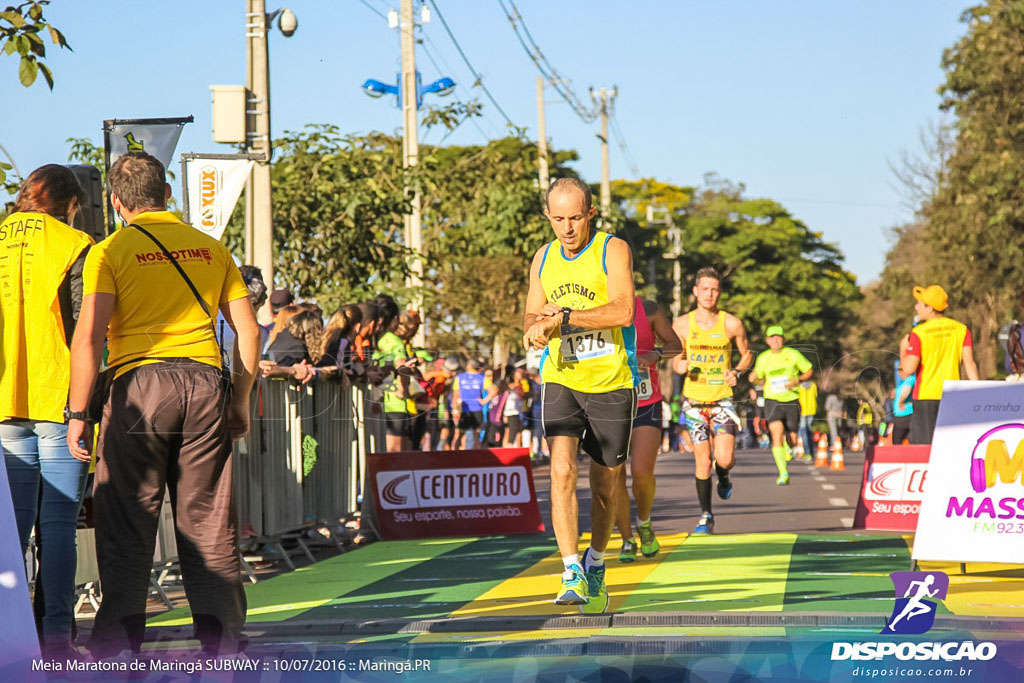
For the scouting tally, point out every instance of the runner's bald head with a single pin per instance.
(569, 185)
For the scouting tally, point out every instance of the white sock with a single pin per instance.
(641, 522)
(593, 559)
(570, 560)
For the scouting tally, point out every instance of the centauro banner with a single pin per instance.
(214, 186)
(973, 506)
(157, 137)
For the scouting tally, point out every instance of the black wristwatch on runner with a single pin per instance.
(565, 315)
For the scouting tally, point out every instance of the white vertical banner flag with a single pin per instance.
(973, 506)
(214, 186)
(157, 137)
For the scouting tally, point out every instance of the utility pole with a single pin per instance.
(411, 150)
(604, 101)
(259, 228)
(542, 138)
(675, 251)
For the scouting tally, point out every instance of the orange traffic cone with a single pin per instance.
(821, 456)
(855, 443)
(838, 463)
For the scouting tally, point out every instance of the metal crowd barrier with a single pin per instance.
(301, 466)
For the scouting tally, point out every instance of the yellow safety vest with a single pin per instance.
(709, 353)
(589, 361)
(36, 252)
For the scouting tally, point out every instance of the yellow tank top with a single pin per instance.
(710, 354)
(590, 361)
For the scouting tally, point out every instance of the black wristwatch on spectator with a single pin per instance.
(75, 415)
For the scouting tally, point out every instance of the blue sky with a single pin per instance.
(803, 102)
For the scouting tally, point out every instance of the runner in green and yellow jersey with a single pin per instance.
(781, 369)
(708, 335)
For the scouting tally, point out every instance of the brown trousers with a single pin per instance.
(166, 423)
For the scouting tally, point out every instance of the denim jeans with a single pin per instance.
(805, 432)
(36, 454)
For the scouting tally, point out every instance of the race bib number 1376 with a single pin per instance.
(578, 344)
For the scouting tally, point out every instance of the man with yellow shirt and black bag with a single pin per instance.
(580, 311)
(708, 335)
(933, 351)
(152, 289)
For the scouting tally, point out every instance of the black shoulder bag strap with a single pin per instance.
(206, 309)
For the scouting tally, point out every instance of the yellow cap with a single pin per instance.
(932, 295)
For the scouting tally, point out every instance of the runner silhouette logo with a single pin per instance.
(916, 596)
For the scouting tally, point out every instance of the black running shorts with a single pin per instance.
(648, 416)
(603, 422)
(471, 420)
(398, 424)
(786, 412)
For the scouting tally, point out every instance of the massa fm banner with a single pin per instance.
(973, 506)
(454, 493)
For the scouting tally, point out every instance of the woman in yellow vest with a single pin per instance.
(41, 275)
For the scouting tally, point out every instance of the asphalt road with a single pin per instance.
(817, 499)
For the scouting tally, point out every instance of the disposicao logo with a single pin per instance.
(914, 614)
(992, 464)
(914, 611)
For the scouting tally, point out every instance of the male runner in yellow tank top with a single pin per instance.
(580, 311)
(708, 336)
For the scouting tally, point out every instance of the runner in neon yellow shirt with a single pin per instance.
(781, 369)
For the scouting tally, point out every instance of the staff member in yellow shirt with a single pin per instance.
(40, 295)
(152, 290)
(933, 351)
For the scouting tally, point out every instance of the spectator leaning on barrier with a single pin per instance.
(169, 417)
(934, 351)
(41, 272)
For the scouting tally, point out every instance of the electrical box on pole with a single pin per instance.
(229, 113)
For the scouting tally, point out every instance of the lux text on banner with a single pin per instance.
(454, 493)
(214, 186)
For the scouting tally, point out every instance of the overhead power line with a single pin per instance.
(476, 74)
(374, 10)
(621, 140)
(561, 85)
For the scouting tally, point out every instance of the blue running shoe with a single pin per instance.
(705, 525)
(724, 488)
(597, 592)
(783, 480)
(574, 589)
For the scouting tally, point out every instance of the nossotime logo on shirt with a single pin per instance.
(179, 255)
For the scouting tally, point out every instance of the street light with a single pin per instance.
(258, 225)
(442, 87)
